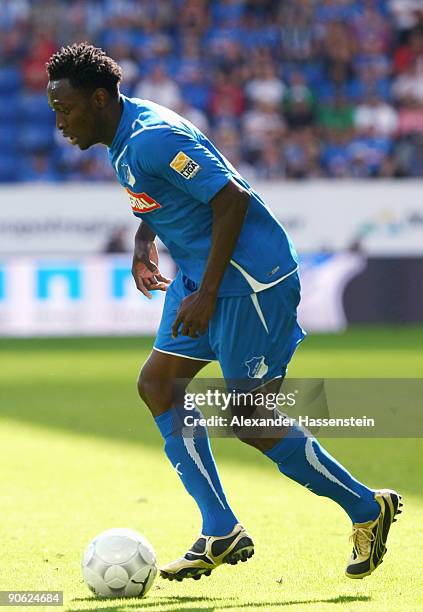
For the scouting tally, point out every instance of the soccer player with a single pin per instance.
(233, 300)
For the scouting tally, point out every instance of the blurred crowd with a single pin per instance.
(285, 88)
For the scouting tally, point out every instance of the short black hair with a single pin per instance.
(87, 67)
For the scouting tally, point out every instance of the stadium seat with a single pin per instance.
(10, 80)
(34, 108)
(36, 138)
(8, 169)
(9, 135)
(9, 111)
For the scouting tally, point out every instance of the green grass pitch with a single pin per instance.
(79, 454)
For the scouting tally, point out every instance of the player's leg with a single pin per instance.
(302, 458)
(158, 375)
(188, 448)
(265, 349)
(273, 334)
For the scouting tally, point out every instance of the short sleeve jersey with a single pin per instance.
(171, 171)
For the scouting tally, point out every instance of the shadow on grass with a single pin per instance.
(143, 606)
(111, 410)
(173, 604)
(108, 408)
(340, 599)
(154, 600)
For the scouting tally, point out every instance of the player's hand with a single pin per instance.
(194, 314)
(145, 270)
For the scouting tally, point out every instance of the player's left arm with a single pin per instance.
(229, 206)
(145, 262)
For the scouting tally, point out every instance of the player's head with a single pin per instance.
(83, 90)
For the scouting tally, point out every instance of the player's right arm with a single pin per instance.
(145, 261)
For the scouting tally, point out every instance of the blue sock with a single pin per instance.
(300, 457)
(189, 452)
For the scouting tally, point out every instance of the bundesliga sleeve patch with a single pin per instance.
(184, 165)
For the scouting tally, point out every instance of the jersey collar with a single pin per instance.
(123, 128)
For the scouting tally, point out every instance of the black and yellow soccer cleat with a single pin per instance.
(369, 539)
(209, 552)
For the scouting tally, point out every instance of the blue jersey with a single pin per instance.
(171, 171)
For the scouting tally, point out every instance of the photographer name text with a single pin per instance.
(279, 421)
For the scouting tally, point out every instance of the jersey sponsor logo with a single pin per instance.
(184, 165)
(142, 202)
(257, 368)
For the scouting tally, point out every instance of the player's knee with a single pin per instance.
(147, 386)
(154, 391)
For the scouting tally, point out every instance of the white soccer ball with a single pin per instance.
(119, 563)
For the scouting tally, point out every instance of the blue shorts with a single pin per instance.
(251, 336)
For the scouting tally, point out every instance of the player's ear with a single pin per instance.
(100, 98)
